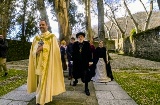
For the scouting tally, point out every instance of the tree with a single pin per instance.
(61, 13)
(72, 11)
(6, 7)
(148, 15)
(107, 28)
(101, 31)
(110, 14)
(88, 19)
(26, 20)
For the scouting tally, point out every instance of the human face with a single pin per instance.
(72, 40)
(80, 38)
(100, 44)
(43, 26)
(1, 36)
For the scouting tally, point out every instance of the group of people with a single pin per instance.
(45, 70)
(47, 62)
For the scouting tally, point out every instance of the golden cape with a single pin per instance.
(52, 78)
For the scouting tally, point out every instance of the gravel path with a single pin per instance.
(120, 62)
(19, 65)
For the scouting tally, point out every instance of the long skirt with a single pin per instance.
(101, 74)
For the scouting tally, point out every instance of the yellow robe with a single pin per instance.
(45, 73)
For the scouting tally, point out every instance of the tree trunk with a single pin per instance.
(60, 7)
(101, 31)
(148, 16)
(23, 38)
(5, 16)
(88, 19)
(158, 2)
(108, 29)
(43, 13)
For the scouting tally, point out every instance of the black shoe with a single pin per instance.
(87, 92)
(5, 74)
(112, 79)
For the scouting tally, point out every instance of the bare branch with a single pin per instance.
(144, 7)
(133, 20)
(149, 16)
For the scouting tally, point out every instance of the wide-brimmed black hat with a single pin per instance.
(80, 33)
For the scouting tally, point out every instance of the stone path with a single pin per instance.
(120, 61)
(101, 93)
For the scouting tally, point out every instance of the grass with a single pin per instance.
(139, 68)
(14, 79)
(144, 88)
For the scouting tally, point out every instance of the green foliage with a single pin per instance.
(14, 79)
(23, 21)
(142, 87)
(18, 50)
(72, 13)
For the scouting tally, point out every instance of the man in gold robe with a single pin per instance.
(45, 73)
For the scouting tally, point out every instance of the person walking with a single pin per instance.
(45, 73)
(82, 59)
(101, 60)
(3, 55)
(69, 52)
(63, 48)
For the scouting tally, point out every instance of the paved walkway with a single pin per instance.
(101, 94)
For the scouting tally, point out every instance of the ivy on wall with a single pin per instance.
(146, 44)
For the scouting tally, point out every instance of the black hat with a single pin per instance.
(80, 33)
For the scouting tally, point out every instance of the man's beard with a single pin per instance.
(42, 30)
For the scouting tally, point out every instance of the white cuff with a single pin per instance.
(90, 63)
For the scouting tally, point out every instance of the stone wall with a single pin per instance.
(147, 45)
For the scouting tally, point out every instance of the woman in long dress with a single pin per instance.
(101, 61)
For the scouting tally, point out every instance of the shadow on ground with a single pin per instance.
(74, 95)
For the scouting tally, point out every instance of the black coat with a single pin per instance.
(63, 52)
(69, 51)
(81, 60)
(100, 53)
(3, 49)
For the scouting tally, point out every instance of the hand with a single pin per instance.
(39, 49)
(90, 63)
(71, 62)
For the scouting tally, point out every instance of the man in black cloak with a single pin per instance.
(82, 59)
